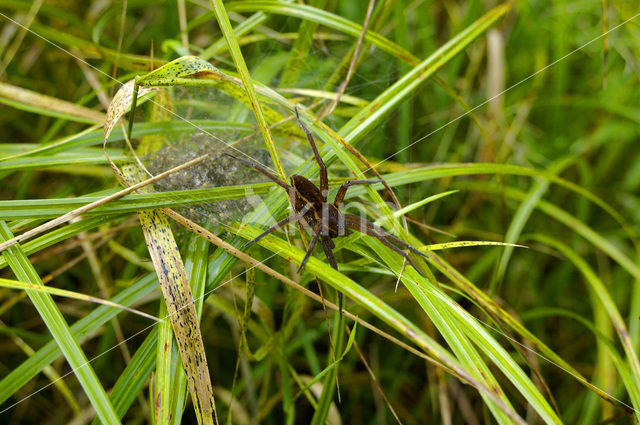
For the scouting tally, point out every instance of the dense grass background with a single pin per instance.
(556, 167)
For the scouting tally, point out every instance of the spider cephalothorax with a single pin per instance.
(314, 211)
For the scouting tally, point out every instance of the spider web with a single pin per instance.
(215, 114)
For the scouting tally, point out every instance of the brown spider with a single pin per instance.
(312, 209)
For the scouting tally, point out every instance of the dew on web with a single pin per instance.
(218, 170)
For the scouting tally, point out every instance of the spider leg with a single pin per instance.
(383, 238)
(271, 229)
(367, 224)
(346, 185)
(278, 225)
(326, 246)
(324, 179)
(312, 245)
(261, 169)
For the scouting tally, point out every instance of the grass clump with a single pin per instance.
(499, 125)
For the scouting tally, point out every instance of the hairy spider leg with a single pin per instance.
(327, 243)
(290, 190)
(346, 185)
(384, 233)
(263, 170)
(314, 241)
(324, 179)
(367, 229)
(295, 217)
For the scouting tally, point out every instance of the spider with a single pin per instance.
(313, 210)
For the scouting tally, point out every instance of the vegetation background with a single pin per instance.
(527, 110)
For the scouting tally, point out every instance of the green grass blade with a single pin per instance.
(20, 375)
(368, 118)
(299, 50)
(60, 331)
(134, 377)
(238, 59)
(61, 234)
(460, 329)
(517, 224)
(95, 157)
(14, 284)
(163, 388)
(490, 305)
(322, 17)
(578, 226)
(328, 386)
(247, 25)
(608, 303)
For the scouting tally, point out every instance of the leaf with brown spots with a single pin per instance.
(180, 307)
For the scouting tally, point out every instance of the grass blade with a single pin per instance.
(60, 331)
(20, 375)
(238, 59)
(14, 284)
(181, 312)
(30, 101)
